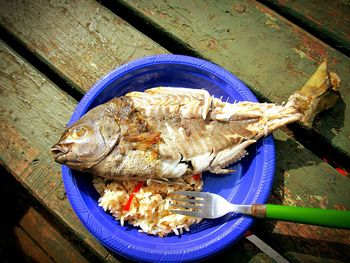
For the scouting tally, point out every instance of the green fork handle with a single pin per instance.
(304, 215)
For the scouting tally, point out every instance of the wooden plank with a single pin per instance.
(45, 118)
(270, 54)
(301, 258)
(81, 40)
(48, 238)
(329, 19)
(26, 232)
(33, 114)
(65, 44)
(52, 111)
(15, 243)
(29, 247)
(41, 170)
(242, 251)
(305, 180)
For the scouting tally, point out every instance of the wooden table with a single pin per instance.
(52, 52)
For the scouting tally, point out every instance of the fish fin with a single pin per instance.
(219, 170)
(160, 180)
(177, 181)
(318, 94)
(230, 155)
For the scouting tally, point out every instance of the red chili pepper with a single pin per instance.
(132, 195)
(197, 177)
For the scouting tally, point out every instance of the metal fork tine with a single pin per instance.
(196, 201)
(188, 193)
(188, 206)
(188, 213)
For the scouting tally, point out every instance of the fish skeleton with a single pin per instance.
(169, 133)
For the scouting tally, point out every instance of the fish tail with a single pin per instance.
(318, 94)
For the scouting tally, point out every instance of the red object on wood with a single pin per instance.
(248, 233)
(341, 171)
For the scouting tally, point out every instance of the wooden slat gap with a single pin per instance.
(310, 139)
(333, 42)
(149, 28)
(36, 62)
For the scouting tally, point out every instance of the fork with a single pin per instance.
(208, 205)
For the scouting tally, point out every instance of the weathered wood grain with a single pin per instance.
(329, 19)
(27, 234)
(270, 54)
(304, 180)
(33, 114)
(46, 116)
(36, 111)
(81, 40)
(29, 247)
(49, 239)
(242, 251)
(36, 122)
(15, 243)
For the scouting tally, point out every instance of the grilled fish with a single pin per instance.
(169, 133)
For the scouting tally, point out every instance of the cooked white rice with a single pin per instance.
(149, 207)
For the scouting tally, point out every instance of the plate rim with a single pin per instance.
(136, 253)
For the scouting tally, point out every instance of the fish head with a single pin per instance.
(89, 140)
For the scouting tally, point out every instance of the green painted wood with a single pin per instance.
(301, 179)
(33, 113)
(79, 39)
(34, 122)
(330, 19)
(270, 54)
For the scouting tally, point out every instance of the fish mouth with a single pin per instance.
(58, 152)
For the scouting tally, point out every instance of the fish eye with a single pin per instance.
(79, 132)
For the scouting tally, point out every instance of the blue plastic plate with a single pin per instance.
(251, 183)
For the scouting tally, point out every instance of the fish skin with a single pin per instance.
(168, 133)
